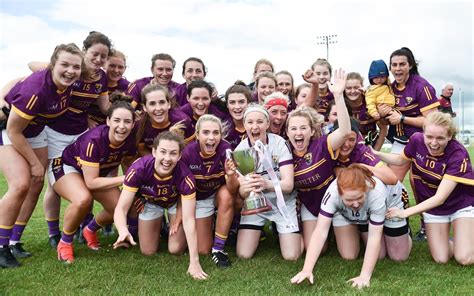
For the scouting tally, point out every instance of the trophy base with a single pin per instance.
(255, 211)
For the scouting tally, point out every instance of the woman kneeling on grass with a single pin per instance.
(357, 199)
(161, 180)
(80, 175)
(443, 177)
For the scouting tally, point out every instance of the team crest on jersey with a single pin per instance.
(275, 159)
(308, 157)
(98, 87)
(409, 100)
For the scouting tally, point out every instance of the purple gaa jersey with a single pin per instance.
(223, 116)
(74, 121)
(37, 99)
(208, 171)
(360, 154)
(314, 171)
(366, 122)
(417, 96)
(93, 149)
(428, 171)
(181, 94)
(94, 112)
(323, 102)
(163, 191)
(372, 211)
(152, 130)
(235, 136)
(135, 90)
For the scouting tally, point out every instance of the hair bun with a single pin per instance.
(118, 96)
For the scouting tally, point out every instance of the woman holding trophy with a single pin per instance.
(272, 176)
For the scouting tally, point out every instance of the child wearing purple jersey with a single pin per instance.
(81, 174)
(314, 157)
(114, 68)
(163, 181)
(199, 102)
(256, 122)
(355, 199)
(215, 186)
(162, 67)
(237, 98)
(322, 70)
(444, 184)
(34, 101)
(160, 117)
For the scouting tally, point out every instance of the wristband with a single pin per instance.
(402, 118)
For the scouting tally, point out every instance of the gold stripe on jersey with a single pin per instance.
(335, 155)
(190, 138)
(459, 179)
(52, 115)
(327, 181)
(314, 166)
(162, 179)
(131, 87)
(22, 114)
(189, 182)
(130, 175)
(72, 109)
(369, 156)
(407, 108)
(130, 189)
(402, 154)
(90, 147)
(463, 166)
(379, 164)
(429, 107)
(32, 102)
(427, 92)
(439, 177)
(189, 196)
(116, 147)
(202, 177)
(89, 164)
(85, 95)
(424, 182)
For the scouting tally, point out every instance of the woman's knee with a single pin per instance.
(83, 201)
(464, 258)
(149, 251)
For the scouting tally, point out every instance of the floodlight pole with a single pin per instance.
(326, 40)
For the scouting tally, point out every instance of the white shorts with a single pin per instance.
(397, 148)
(205, 207)
(467, 212)
(57, 169)
(57, 142)
(306, 215)
(154, 211)
(275, 216)
(40, 141)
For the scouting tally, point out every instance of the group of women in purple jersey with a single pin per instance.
(79, 120)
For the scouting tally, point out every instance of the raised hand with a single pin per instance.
(339, 82)
(310, 77)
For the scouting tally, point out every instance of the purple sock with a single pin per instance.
(132, 225)
(219, 242)
(93, 225)
(53, 227)
(17, 231)
(5, 234)
(68, 238)
(87, 219)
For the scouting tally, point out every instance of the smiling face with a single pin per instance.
(236, 104)
(256, 125)
(121, 124)
(157, 107)
(166, 155)
(115, 67)
(301, 98)
(436, 139)
(352, 89)
(95, 57)
(299, 133)
(353, 198)
(323, 75)
(284, 84)
(278, 116)
(265, 87)
(209, 136)
(400, 69)
(66, 70)
(193, 70)
(348, 145)
(199, 99)
(162, 72)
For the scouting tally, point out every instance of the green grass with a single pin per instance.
(127, 272)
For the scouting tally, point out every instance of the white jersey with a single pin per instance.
(374, 208)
